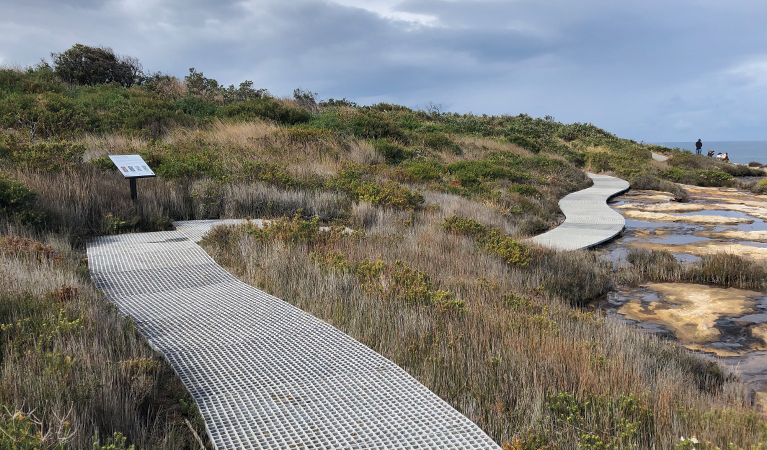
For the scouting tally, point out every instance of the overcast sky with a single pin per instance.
(649, 70)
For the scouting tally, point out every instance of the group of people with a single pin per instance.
(723, 156)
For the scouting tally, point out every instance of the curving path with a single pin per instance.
(265, 374)
(588, 219)
(658, 157)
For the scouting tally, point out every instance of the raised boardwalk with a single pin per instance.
(264, 374)
(658, 157)
(588, 219)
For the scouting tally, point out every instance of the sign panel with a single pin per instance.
(132, 166)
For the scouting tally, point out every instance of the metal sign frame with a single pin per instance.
(132, 167)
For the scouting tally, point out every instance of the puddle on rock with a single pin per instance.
(730, 323)
(690, 312)
(715, 220)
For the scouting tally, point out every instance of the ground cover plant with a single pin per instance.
(436, 277)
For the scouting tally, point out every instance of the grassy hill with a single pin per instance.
(435, 277)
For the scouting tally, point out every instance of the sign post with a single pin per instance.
(132, 167)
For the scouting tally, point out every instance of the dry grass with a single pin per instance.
(516, 354)
(111, 144)
(68, 356)
(477, 147)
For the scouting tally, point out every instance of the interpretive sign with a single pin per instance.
(132, 166)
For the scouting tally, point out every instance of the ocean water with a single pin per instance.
(740, 151)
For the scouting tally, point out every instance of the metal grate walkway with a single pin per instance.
(589, 221)
(265, 374)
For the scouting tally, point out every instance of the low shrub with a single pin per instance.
(196, 106)
(392, 153)
(291, 230)
(375, 124)
(387, 193)
(527, 143)
(720, 269)
(526, 190)
(755, 164)
(492, 240)
(573, 276)
(598, 162)
(17, 201)
(421, 170)
(441, 142)
(265, 108)
(653, 183)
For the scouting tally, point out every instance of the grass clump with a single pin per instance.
(722, 269)
(65, 353)
(492, 240)
(387, 193)
(18, 201)
(500, 342)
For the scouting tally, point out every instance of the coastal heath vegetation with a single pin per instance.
(505, 336)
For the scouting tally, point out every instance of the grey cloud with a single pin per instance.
(617, 64)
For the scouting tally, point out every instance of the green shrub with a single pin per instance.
(44, 156)
(196, 106)
(530, 144)
(387, 193)
(605, 422)
(599, 162)
(17, 200)
(23, 432)
(265, 108)
(96, 65)
(399, 281)
(472, 173)
(492, 240)
(376, 125)
(392, 152)
(526, 190)
(441, 142)
(423, 170)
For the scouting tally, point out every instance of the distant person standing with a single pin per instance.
(698, 146)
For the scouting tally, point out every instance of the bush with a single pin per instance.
(44, 156)
(599, 162)
(392, 152)
(376, 125)
(96, 65)
(387, 193)
(573, 276)
(653, 183)
(754, 164)
(265, 108)
(441, 142)
(527, 191)
(196, 106)
(492, 240)
(423, 170)
(17, 201)
(532, 145)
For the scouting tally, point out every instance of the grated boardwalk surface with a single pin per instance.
(265, 374)
(589, 221)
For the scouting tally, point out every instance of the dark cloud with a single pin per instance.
(654, 70)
